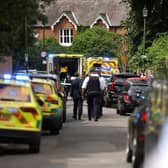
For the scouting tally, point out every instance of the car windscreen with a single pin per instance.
(42, 88)
(14, 93)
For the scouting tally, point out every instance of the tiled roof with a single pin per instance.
(86, 11)
(70, 15)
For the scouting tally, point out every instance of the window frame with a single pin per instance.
(65, 36)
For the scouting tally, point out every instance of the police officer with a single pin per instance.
(93, 86)
(75, 93)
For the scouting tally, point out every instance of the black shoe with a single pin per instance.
(75, 118)
(95, 119)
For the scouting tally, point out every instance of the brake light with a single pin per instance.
(29, 110)
(51, 100)
(126, 98)
(111, 86)
(144, 116)
(142, 138)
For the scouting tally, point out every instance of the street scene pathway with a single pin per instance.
(80, 144)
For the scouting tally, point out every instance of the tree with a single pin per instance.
(16, 17)
(156, 22)
(158, 55)
(97, 42)
(157, 16)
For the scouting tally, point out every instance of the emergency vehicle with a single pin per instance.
(107, 65)
(50, 103)
(65, 63)
(20, 114)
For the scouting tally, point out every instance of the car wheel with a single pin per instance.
(120, 108)
(107, 103)
(60, 124)
(136, 159)
(54, 131)
(128, 153)
(35, 146)
(64, 111)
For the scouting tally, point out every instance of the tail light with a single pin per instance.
(141, 138)
(51, 100)
(29, 110)
(111, 86)
(144, 116)
(126, 98)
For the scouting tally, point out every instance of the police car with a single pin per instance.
(20, 114)
(50, 104)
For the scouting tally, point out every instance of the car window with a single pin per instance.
(14, 93)
(42, 88)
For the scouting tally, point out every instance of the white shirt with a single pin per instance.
(85, 82)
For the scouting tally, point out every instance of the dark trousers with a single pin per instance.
(77, 108)
(101, 104)
(93, 101)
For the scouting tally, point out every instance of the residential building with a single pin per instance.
(65, 17)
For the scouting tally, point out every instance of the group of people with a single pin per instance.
(90, 88)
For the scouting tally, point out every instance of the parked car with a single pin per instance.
(136, 127)
(114, 88)
(131, 88)
(59, 92)
(157, 115)
(50, 104)
(20, 114)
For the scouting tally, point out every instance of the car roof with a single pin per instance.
(15, 82)
(137, 81)
(40, 80)
(125, 74)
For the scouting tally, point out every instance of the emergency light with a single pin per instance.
(19, 77)
(7, 76)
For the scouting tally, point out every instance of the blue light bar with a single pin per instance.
(7, 76)
(19, 77)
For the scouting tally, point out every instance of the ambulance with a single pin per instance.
(108, 66)
(20, 114)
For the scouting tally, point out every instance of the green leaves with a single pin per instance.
(12, 23)
(97, 42)
(158, 54)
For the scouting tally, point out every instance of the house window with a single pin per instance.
(65, 37)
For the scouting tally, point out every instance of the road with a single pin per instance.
(80, 144)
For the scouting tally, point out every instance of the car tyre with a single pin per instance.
(64, 110)
(120, 108)
(136, 159)
(128, 153)
(35, 146)
(54, 131)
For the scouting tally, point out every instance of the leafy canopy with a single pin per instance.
(15, 14)
(97, 42)
(158, 54)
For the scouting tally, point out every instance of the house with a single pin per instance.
(66, 16)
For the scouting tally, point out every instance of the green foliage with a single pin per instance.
(35, 60)
(158, 54)
(51, 45)
(13, 23)
(156, 22)
(97, 42)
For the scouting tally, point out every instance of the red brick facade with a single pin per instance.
(65, 23)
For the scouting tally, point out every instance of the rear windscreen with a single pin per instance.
(42, 88)
(138, 89)
(14, 93)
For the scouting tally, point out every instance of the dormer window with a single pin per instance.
(65, 37)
